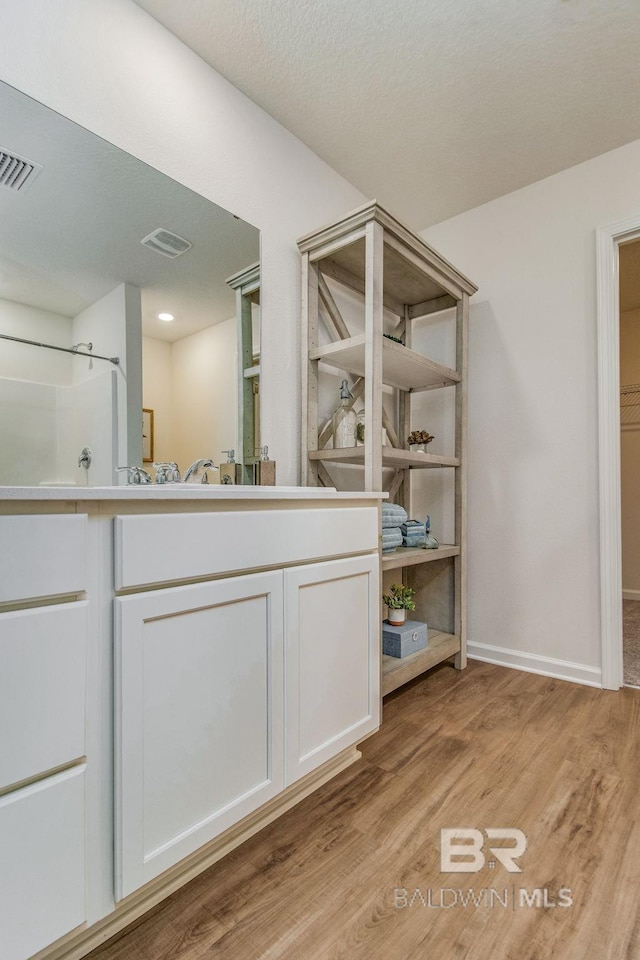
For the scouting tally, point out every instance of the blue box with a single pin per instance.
(404, 640)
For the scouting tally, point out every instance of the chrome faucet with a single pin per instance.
(135, 475)
(198, 465)
(167, 473)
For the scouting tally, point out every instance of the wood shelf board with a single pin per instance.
(396, 671)
(401, 367)
(410, 556)
(391, 457)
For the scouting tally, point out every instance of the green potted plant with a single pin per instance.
(398, 601)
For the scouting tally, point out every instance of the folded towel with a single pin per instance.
(413, 527)
(391, 523)
(394, 510)
(392, 536)
(393, 515)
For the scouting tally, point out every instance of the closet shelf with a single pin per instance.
(401, 367)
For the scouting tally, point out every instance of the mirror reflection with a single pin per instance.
(97, 251)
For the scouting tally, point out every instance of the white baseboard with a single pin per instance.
(631, 594)
(533, 663)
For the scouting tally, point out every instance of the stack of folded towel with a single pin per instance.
(413, 533)
(393, 516)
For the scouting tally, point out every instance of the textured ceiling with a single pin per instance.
(430, 106)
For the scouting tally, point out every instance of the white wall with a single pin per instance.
(533, 485)
(113, 325)
(630, 455)
(109, 66)
(20, 361)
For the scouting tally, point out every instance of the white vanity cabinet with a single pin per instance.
(203, 671)
(177, 669)
(43, 665)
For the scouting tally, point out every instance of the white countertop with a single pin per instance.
(183, 491)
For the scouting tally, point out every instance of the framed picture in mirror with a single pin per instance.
(147, 435)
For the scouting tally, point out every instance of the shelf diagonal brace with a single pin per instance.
(332, 315)
(396, 483)
(391, 433)
(324, 476)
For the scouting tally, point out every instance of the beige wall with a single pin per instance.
(157, 393)
(630, 457)
(191, 387)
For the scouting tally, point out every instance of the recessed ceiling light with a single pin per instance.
(166, 316)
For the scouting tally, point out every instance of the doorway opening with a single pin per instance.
(629, 322)
(610, 241)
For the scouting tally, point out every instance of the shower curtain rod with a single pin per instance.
(51, 346)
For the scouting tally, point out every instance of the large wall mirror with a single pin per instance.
(75, 274)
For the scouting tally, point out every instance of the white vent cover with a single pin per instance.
(16, 172)
(167, 243)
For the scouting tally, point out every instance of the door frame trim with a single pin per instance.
(608, 239)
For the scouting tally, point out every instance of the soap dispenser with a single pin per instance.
(230, 471)
(265, 469)
(344, 419)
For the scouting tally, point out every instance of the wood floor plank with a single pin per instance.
(353, 872)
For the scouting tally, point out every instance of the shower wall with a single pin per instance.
(45, 418)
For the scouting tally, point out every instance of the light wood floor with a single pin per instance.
(488, 747)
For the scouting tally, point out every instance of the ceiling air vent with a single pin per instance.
(16, 172)
(167, 243)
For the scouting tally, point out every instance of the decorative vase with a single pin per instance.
(418, 447)
(396, 617)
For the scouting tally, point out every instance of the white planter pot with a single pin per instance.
(396, 617)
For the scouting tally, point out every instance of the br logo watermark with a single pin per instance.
(468, 850)
(462, 849)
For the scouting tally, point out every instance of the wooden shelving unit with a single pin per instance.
(395, 274)
(246, 284)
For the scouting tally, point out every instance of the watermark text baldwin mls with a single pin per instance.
(506, 898)
(462, 850)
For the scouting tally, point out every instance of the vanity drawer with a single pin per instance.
(42, 556)
(42, 689)
(42, 872)
(171, 547)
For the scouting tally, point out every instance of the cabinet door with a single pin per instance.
(42, 863)
(332, 659)
(198, 717)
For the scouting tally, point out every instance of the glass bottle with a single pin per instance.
(344, 420)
